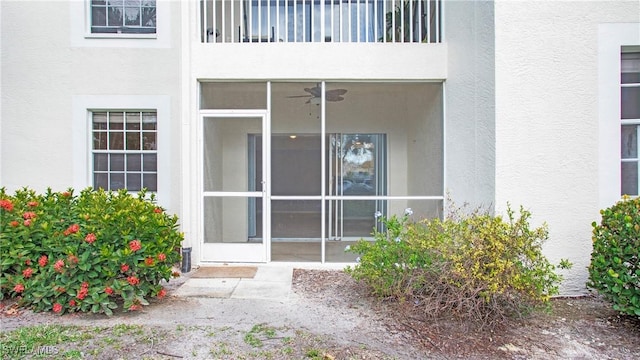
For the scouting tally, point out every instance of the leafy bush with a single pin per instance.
(387, 264)
(90, 252)
(473, 266)
(615, 260)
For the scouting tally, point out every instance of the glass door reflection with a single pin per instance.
(356, 167)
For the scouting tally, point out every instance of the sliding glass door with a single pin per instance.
(356, 174)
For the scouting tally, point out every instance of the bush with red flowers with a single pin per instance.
(94, 252)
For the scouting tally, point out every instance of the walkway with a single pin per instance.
(272, 281)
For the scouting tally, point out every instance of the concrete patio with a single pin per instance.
(269, 282)
(272, 281)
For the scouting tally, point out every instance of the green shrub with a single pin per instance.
(388, 263)
(473, 266)
(615, 260)
(89, 253)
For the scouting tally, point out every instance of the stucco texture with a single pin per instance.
(46, 66)
(547, 118)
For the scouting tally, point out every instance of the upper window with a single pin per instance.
(124, 150)
(123, 16)
(630, 121)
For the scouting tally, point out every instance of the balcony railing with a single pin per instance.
(386, 21)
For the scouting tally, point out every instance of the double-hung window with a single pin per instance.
(124, 151)
(630, 122)
(123, 16)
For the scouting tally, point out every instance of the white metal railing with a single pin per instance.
(396, 21)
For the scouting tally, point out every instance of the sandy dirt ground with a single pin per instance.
(330, 316)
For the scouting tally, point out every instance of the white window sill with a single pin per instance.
(120, 36)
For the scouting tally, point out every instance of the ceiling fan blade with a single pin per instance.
(336, 92)
(315, 91)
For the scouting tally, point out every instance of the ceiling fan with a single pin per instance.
(316, 93)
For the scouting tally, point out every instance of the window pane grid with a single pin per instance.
(630, 101)
(630, 123)
(629, 160)
(124, 156)
(123, 16)
(630, 68)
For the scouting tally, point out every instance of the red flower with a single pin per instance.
(57, 307)
(162, 293)
(66, 194)
(14, 223)
(134, 245)
(6, 204)
(72, 229)
(84, 285)
(149, 261)
(82, 293)
(32, 203)
(124, 268)
(29, 215)
(108, 290)
(135, 307)
(90, 238)
(133, 280)
(27, 222)
(72, 259)
(43, 260)
(27, 272)
(162, 257)
(18, 288)
(27, 262)
(72, 303)
(157, 211)
(58, 265)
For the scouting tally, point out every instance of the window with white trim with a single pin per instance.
(630, 122)
(123, 16)
(124, 151)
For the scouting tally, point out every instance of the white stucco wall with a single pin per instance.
(50, 63)
(546, 90)
(1, 97)
(319, 61)
(469, 102)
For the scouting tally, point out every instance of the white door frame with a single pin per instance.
(236, 252)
